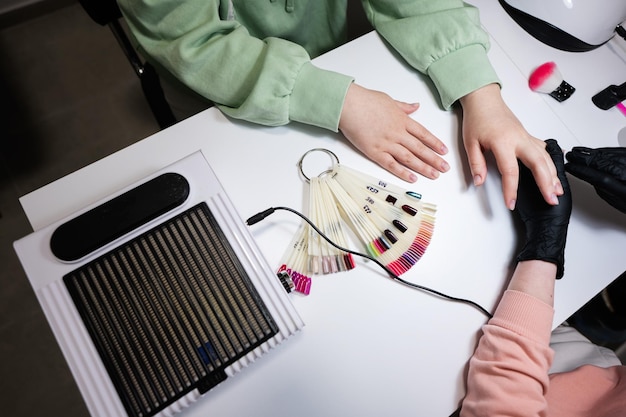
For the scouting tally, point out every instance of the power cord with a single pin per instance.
(262, 215)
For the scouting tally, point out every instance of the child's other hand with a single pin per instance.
(381, 128)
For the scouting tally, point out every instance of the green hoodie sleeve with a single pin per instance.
(267, 81)
(440, 38)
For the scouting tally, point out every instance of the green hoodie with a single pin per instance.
(253, 57)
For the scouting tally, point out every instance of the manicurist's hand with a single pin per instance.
(489, 125)
(545, 225)
(604, 168)
(381, 128)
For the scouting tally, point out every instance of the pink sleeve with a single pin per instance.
(508, 373)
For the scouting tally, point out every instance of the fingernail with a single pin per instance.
(477, 179)
(554, 199)
(434, 173)
(444, 149)
(559, 188)
(412, 178)
(445, 166)
(512, 204)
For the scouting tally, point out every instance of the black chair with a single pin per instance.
(107, 13)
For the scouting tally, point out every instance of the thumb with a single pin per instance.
(407, 108)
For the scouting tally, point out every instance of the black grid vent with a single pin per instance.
(169, 310)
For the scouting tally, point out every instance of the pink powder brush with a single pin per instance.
(547, 79)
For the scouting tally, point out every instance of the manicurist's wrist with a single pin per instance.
(535, 278)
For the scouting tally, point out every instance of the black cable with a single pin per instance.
(262, 215)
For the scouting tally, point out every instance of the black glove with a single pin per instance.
(604, 168)
(546, 225)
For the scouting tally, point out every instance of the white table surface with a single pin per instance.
(371, 347)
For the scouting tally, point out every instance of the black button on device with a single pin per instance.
(101, 225)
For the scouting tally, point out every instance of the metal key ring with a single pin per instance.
(328, 171)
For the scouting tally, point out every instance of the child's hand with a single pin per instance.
(489, 125)
(381, 128)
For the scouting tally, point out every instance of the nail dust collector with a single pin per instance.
(157, 294)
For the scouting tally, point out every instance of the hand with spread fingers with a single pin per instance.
(604, 169)
(490, 125)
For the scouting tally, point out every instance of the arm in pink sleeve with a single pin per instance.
(508, 373)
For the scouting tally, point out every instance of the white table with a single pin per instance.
(370, 347)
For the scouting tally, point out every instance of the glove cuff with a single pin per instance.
(547, 249)
(530, 256)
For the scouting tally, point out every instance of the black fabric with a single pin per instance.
(107, 12)
(546, 225)
(604, 169)
(603, 319)
(101, 11)
(151, 86)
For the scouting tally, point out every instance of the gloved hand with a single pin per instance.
(546, 225)
(604, 168)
